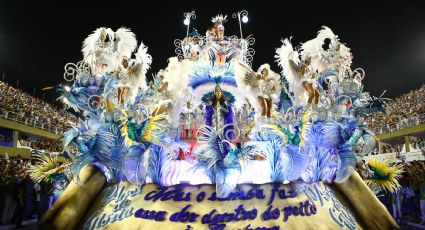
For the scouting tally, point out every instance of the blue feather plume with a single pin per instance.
(346, 165)
(293, 162)
(134, 167)
(158, 160)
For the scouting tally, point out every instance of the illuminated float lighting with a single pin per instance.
(186, 21)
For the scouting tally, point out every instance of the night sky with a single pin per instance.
(387, 39)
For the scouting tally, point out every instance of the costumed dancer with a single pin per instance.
(199, 119)
(163, 85)
(422, 198)
(103, 49)
(182, 126)
(265, 83)
(285, 99)
(123, 74)
(309, 82)
(99, 52)
(131, 74)
(327, 53)
(288, 59)
(192, 49)
(396, 201)
(162, 94)
(220, 43)
(218, 111)
(189, 117)
(267, 88)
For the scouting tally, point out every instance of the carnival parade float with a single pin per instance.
(211, 143)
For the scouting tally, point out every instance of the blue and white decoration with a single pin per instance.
(304, 124)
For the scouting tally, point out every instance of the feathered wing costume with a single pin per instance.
(327, 52)
(176, 75)
(384, 175)
(264, 88)
(104, 48)
(289, 60)
(125, 42)
(137, 71)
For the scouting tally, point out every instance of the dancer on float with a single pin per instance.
(218, 110)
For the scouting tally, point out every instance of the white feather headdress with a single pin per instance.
(177, 75)
(219, 19)
(289, 60)
(313, 47)
(266, 65)
(104, 48)
(98, 48)
(125, 42)
(337, 57)
(143, 57)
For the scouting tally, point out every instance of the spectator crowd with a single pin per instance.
(27, 106)
(407, 203)
(400, 112)
(20, 197)
(418, 144)
(40, 144)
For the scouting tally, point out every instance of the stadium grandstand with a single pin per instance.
(29, 127)
(28, 124)
(401, 128)
(401, 134)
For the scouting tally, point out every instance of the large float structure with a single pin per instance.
(210, 143)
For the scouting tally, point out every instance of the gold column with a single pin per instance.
(372, 213)
(15, 138)
(407, 143)
(71, 206)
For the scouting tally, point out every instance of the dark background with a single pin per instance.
(387, 39)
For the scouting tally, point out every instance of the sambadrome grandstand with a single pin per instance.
(28, 124)
(401, 129)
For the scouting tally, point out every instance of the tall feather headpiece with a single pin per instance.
(219, 19)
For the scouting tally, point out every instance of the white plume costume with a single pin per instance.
(289, 60)
(250, 81)
(104, 48)
(337, 57)
(176, 74)
(137, 70)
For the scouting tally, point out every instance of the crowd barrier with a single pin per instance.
(415, 155)
(405, 123)
(12, 116)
